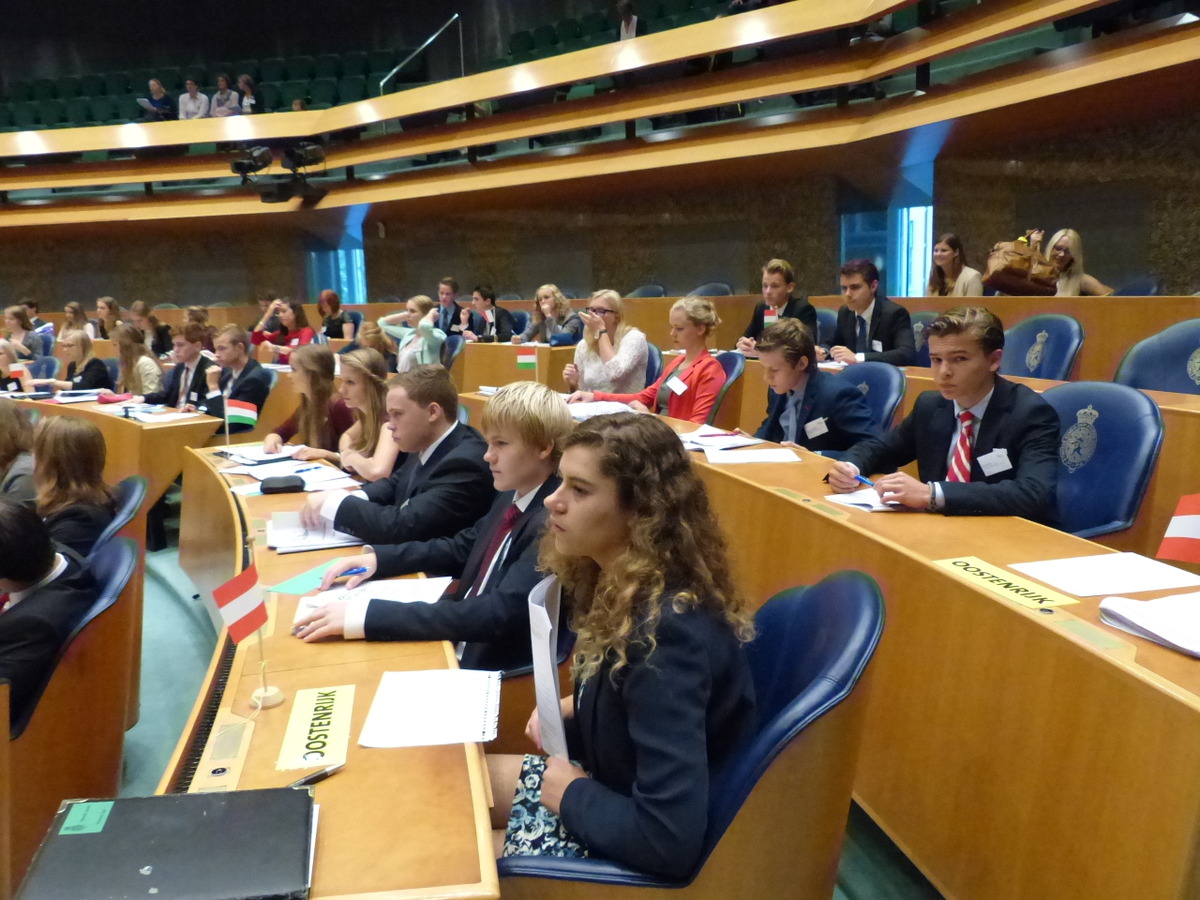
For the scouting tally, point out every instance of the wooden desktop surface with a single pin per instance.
(407, 822)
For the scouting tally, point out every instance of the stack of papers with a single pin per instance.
(774, 455)
(316, 477)
(77, 396)
(1171, 621)
(582, 411)
(420, 709)
(287, 535)
(708, 437)
(1108, 573)
(864, 498)
(408, 590)
(254, 454)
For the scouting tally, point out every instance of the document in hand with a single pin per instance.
(287, 535)
(406, 590)
(1171, 621)
(440, 706)
(544, 602)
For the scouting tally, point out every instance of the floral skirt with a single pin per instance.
(533, 830)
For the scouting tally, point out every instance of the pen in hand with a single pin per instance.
(357, 570)
(867, 481)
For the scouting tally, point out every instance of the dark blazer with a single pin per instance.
(504, 326)
(419, 502)
(252, 385)
(836, 400)
(795, 308)
(33, 631)
(654, 737)
(890, 325)
(94, 375)
(1017, 419)
(494, 622)
(450, 321)
(160, 341)
(78, 527)
(197, 388)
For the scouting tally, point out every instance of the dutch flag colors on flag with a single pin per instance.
(1182, 540)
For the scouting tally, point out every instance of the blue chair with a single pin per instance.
(1042, 346)
(45, 367)
(114, 369)
(356, 319)
(451, 349)
(653, 363)
(826, 325)
(883, 386)
(647, 290)
(48, 340)
(1166, 361)
(1111, 435)
(734, 364)
(712, 289)
(273, 377)
(520, 321)
(129, 494)
(464, 414)
(920, 321)
(1146, 286)
(504, 298)
(792, 778)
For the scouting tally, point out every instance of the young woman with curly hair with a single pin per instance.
(663, 694)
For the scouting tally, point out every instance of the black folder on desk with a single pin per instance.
(236, 845)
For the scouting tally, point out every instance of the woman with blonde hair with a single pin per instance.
(372, 337)
(612, 354)
(84, 371)
(552, 316)
(139, 371)
(1065, 250)
(26, 342)
(663, 695)
(950, 275)
(75, 319)
(322, 418)
(689, 384)
(366, 448)
(108, 317)
(16, 460)
(68, 473)
(418, 339)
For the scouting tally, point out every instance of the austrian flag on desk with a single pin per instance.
(1182, 540)
(240, 602)
(239, 412)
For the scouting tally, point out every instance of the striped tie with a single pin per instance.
(960, 465)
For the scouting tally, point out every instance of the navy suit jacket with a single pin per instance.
(795, 308)
(252, 386)
(495, 623)
(451, 322)
(504, 326)
(196, 389)
(419, 502)
(1017, 420)
(654, 736)
(835, 399)
(890, 325)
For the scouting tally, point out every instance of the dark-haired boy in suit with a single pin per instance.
(870, 327)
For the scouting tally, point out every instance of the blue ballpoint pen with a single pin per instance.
(867, 481)
(357, 570)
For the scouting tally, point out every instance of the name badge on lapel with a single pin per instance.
(877, 346)
(816, 428)
(995, 462)
(675, 385)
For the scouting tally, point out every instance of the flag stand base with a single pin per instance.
(266, 698)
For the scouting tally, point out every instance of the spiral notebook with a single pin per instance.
(441, 706)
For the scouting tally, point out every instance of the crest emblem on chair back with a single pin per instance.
(1078, 445)
(1033, 358)
(1193, 366)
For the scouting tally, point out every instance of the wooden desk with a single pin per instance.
(497, 365)
(652, 316)
(409, 822)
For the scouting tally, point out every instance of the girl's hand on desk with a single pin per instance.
(582, 397)
(559, 774)
(327, 622)
(310, 453)
(273, 443)
(360, 561)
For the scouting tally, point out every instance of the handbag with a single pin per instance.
(1014, 267)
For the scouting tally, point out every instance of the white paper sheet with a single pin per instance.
(407, 590)
(1108, 573)
(424, 708)
(773, 455)
(708, 437)
(287, 535)
(1171, 621)
(544, 601)
(582, 411)
(863, 498)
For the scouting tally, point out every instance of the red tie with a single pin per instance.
(498, 536)
(960, 465)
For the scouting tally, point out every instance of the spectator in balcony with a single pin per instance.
(26, 342)
(552, 316)
(75, 319)
(336, 322)
(248, 102)
(155, 335)
(612, 354)
(192, 103)
(632, 25)
(225, 102)
(108, 316)
(950, 275)
(162, 105)
(1066, 252)
(293, 330)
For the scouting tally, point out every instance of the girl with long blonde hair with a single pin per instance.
(612, 354)
(140, 373)
(367, 448)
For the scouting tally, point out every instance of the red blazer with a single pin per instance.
(704, 381)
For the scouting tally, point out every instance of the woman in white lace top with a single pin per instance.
(612, 355)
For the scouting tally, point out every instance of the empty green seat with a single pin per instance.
(291, 91)
(139, 80)
(274, 69)
(5, 117)
(352, 88)
(322, 92)
(520, 43)
(381, 61)
(116, 83)
(268, 96)
(101, 109)
(197, 72)
(220, 68)
(25, 115)
(79, 111)
(52, 112)
(300, 68)
(594, 23)
(67, 87)
(244, 67)
(327, 65)
(674, 7)
(42, 89)
(92, 85)
(126, 109)
(545, 37)
(354, 63)
(18, 91)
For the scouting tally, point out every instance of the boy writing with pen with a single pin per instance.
(494, 560)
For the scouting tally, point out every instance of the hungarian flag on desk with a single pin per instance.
(239, 412)
(527, 358)
(240, 602)
(1182, 540)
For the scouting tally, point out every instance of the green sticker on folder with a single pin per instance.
(305, 581)
(86, 818)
